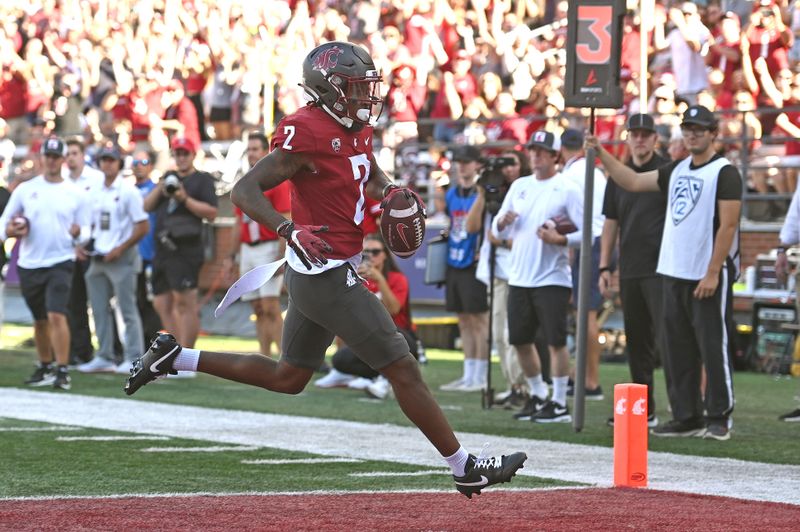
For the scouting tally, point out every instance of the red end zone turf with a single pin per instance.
(589, 509)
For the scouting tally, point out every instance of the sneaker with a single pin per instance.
(717, 430)
(484, 472)
(652, 421)
(42, 376)
(124, 368)
(474, 386)
(503, 397)
(532, 406)
(379, 389)
(453, 386)
(97, 365)
(682, 429)
(334, 379)
(552, 412)
(156, 362)
(593, 394)
(359, 383)
(791, 417)
(62, 380)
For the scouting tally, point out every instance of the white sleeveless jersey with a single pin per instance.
(688, 239)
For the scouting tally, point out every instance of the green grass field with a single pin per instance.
(34, 463)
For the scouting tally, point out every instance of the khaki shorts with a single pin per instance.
(258, 255)
(336, 303)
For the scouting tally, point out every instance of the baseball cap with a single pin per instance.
(54, 146)
(466, 154)
(641, 121)
(183, 143)
(110, 151)
(544, 139)
(699, 115)
(572, 139)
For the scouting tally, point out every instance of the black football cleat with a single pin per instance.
(484, 472)
(155, 363)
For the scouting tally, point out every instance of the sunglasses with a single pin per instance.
(372, 252)
(141, 162)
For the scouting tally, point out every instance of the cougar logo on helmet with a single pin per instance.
(328, 59)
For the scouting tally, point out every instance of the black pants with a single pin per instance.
(696, 335)
(80, 337)
(151, 322)
(346, 361)
(642, 309)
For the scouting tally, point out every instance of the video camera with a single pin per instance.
(494, 182)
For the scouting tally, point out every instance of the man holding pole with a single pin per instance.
(699, 250)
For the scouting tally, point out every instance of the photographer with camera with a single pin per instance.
(496, 177)
(181, 201)
(464, 294)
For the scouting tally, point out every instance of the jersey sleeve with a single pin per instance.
(729, 184)
(294, 134)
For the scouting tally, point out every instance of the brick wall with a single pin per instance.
(754, 243)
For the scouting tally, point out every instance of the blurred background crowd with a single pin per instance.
(456, 71)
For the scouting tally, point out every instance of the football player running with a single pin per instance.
(325, 150)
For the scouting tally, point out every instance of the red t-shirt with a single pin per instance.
(404, 103)
(372, 212)
(251, 231)
(398, 284)
(792, 146)
(467, 89)
(333, 194)
(186, 114)
(13, 95)
(767, 44)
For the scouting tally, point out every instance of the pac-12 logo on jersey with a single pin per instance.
(336, 144)
(327, 59)
(685, 193)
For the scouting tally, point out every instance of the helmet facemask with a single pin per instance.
(358, 98)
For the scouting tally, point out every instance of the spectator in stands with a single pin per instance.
(459, 88)
(574, 169)
(384, 279)
(637, 218)
(255, 245)
(118, 223)
(181, 204)
(180, 117)
(47, 213)
(142, 165)
(539, 274)
(685, 42)
(7, 149)
(480, 218)
(464, 294)
(14, 76)
(84, 177)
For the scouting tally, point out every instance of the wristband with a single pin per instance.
(605, 269)
(781, 249)
(282, 226)
(388, 187)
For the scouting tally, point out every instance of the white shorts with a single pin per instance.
(258, 255)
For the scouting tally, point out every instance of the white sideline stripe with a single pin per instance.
(212, 449)
(424, 473)
(400, 444)
(112, 438)
(57, 428)
(270, 493)
(303, 461)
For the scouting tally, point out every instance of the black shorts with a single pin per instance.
(463, 292)
(46, 289)
(336, 303)
(595, 297)
(220, 114)
(176, 272)
(532, 308)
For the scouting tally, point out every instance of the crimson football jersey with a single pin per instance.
(333, 194)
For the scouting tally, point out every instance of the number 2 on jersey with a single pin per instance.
(358, 162)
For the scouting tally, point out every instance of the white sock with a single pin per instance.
(187, 360)
(458, 461)
(560, 390)
(469, 370)
(480, 370)
(538, 386)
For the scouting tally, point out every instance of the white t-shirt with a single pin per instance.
(689, 66)
(533, 263)
(501, 257)
(575, 171)
(89, 176)
(51, 209)
(115, 210)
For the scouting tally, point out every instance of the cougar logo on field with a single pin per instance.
(620, 408)
(639, 407)
(327, 59)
